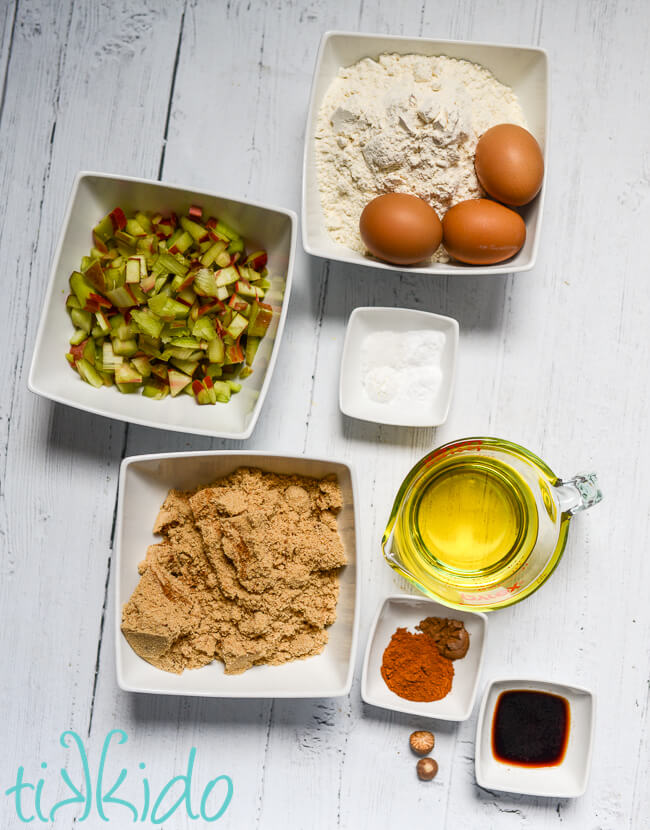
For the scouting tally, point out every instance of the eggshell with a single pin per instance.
(482, 232)
(400, 228)
(509, 164)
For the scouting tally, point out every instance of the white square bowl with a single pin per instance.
(524, 69)
(93, 196)
(354, 401)
(144, 483)
(567, 779)
(404, 611)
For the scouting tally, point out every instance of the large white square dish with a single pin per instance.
(525, 69)
(93, 196)
(569, 778)
(404, 611)
(144, 483)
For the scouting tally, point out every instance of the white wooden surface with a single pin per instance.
(214, 94)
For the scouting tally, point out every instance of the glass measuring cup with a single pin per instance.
(482, 522)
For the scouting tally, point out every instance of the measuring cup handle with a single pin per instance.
(578, 493)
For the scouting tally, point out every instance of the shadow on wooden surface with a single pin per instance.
(336, 288)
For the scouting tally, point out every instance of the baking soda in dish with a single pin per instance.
(402, 368)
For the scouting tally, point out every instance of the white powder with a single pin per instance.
(406, 123)
(402, 368)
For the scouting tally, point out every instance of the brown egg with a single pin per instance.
(509, 164)
(482, 232)
(400, 228)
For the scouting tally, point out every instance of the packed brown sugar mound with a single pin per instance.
(247, 573)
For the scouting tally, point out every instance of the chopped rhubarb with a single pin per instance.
(257, 261)
(118, 219)
(260, 319)
(237, 326)
(196, 231)
(142, 364)
(100, 301)
(133, 269)
(181, 244)
(89, 373)
(163, 300)
(215, 305)
(205, 283)
(127, 373)
(204, 329)
(94, 274)
(213, 252)
(147, 283)
(222, 391)
(252, 344)
(134, 228)
(77, 350)
(234, 354)
(226, 276)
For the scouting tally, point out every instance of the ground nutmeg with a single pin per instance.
(413, 668)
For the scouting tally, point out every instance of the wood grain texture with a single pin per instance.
(214, 95)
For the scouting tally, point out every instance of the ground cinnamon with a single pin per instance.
(414, 669)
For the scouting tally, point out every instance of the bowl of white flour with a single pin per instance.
(397, 114)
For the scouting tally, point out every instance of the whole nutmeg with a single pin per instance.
(422, 742)
(427, 769)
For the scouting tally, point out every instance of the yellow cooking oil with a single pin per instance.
(469, 519)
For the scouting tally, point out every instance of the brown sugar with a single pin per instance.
(247, 573)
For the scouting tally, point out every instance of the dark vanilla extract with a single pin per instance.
(530, 729)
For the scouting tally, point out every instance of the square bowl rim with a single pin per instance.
(336, 691)
(367, 698)
(544, 684)
(48, 297)
(345, 255)
(417, 312)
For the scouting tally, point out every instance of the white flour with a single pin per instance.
(402, 369)
(406, 123)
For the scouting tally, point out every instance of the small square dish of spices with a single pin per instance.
(424, 658)
(247, 585)
(535, 737)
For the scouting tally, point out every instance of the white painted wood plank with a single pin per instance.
(65, 108)
(7, 27)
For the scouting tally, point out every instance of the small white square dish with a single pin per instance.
(144, 483)
(403, 410)
(524, 69)
(566, 779)
(404, 611)
(93, 196)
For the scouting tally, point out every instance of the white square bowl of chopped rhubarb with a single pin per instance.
(165, 306)
(237, 575)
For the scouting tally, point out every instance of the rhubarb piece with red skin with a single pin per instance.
(177, 381)
(118, 218)
(234, 354)
(94, 274)
(257, 261)
(260, 318)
